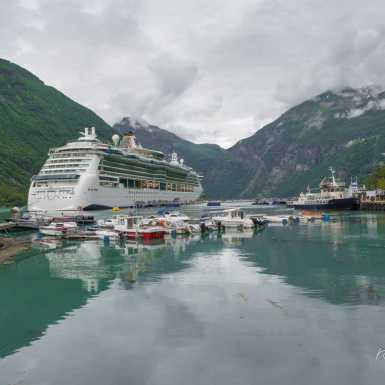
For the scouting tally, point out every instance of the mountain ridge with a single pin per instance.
(33, 118)
(342, 128)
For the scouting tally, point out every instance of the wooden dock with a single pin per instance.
(375, 203)
(81, 236)
(373, 206)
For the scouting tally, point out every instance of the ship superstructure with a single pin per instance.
(89, 174)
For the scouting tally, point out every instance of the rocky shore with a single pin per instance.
(9, 247)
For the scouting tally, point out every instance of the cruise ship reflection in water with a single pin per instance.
(51, 284)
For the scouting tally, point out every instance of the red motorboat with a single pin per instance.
(132, 227)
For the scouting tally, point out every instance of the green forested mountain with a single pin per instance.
(33, 118)
(344, 129)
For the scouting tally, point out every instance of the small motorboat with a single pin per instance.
(173, 222)
(311, 215)
(106, 223)
(281, 219)
(151, 232)
(106, 234)
(194, 228)
(133, 227)
(233, 218)
(204, 223)
(58, 229)
(175, 216)
(32, 220)
(115, 209)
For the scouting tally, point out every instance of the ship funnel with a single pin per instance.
(174, 158)
(93, 131)
(86, 132)
(129, 140)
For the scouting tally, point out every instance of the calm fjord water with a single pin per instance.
(301, 304)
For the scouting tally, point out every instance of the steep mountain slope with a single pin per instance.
(344, 129)
(223, 175)
(33, 118)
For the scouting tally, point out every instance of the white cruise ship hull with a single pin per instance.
(87, 174)
(89, 195)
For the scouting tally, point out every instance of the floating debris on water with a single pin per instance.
(277, 305)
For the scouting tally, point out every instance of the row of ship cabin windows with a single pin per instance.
(65, 171)
(61, 155)
(71, 160)
(60, 166)
(147, 184)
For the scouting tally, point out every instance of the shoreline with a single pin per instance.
(10, 247)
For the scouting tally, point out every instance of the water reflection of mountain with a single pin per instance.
(340, 262)
(31, 299)
(47, 287)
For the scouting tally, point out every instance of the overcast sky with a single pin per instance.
(208, 70)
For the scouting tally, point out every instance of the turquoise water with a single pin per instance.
(301, 304)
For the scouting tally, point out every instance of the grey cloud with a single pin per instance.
(172, 74)
(207, 70)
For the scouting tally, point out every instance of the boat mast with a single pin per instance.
(333, 172)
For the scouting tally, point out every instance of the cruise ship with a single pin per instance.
(88, 174)
(333, 195)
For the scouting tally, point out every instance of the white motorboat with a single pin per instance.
(105, 223)
(171, 218)
(233, 218)
(176, 216)
(106, 234)
(133, 227)
(174, 223)
(108, 223)
(58, 229)
(282, 219)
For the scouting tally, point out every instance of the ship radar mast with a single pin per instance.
(333, 178)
